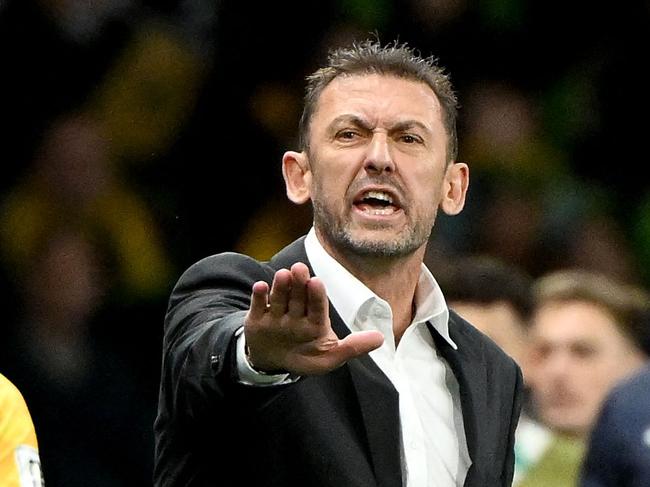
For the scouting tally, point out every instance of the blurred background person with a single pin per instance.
(586, 335)
(73, 181)
(20, 465)
(618, 453)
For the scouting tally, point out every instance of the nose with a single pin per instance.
(378, 157)
(558, 364)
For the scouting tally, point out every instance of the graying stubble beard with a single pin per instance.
(336, 232)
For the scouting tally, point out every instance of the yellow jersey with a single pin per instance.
(20, 465)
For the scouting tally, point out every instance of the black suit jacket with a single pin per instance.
(340, 429)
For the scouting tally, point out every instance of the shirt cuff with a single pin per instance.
(248, 375)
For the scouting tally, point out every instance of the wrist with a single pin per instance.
(259, 370)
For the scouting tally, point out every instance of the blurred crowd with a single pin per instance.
(142, 135)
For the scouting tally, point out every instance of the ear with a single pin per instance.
(297, 176)
(454, 188)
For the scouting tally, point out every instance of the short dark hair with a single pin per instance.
(370, 57)
(485, 279)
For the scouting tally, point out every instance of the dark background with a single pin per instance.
(140, 136)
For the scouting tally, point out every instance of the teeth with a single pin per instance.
(380, 211)
(379, 195)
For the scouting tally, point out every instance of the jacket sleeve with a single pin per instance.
(207, 306)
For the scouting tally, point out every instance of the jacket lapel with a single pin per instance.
(467, 366)
(379, 405)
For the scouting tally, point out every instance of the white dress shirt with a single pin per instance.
(434, 446)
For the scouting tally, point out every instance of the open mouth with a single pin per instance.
(376, 202)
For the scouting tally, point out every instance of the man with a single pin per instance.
(338, 363)
(20, 464)
(586, 336)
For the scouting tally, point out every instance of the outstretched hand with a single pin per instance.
(288, 327)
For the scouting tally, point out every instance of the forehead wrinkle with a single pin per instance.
(346, 100)
(364, 123)
(354, 119)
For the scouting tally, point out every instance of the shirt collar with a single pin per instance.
(347, 294)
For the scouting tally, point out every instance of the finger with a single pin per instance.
(332, 353)
(356, 344)
(279, 295)
(259, 300)
(297, 305)
(317, 302)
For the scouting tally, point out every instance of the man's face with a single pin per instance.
(378, 164)
(577, 356)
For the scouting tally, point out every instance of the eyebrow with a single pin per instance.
(364, 124)
(409, 124)
(352, 119)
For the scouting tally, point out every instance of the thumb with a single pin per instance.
(356, 344)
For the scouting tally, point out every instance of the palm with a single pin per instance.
(288, 327)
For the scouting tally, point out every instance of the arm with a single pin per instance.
(287, 327)
(206, 308)
(197, 391)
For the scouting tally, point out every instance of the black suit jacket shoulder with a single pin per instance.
(337, 429)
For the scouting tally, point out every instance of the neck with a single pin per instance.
(393, 279)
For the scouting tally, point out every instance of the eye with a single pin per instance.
(410, 139)
(347, 134)
(583, 350)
